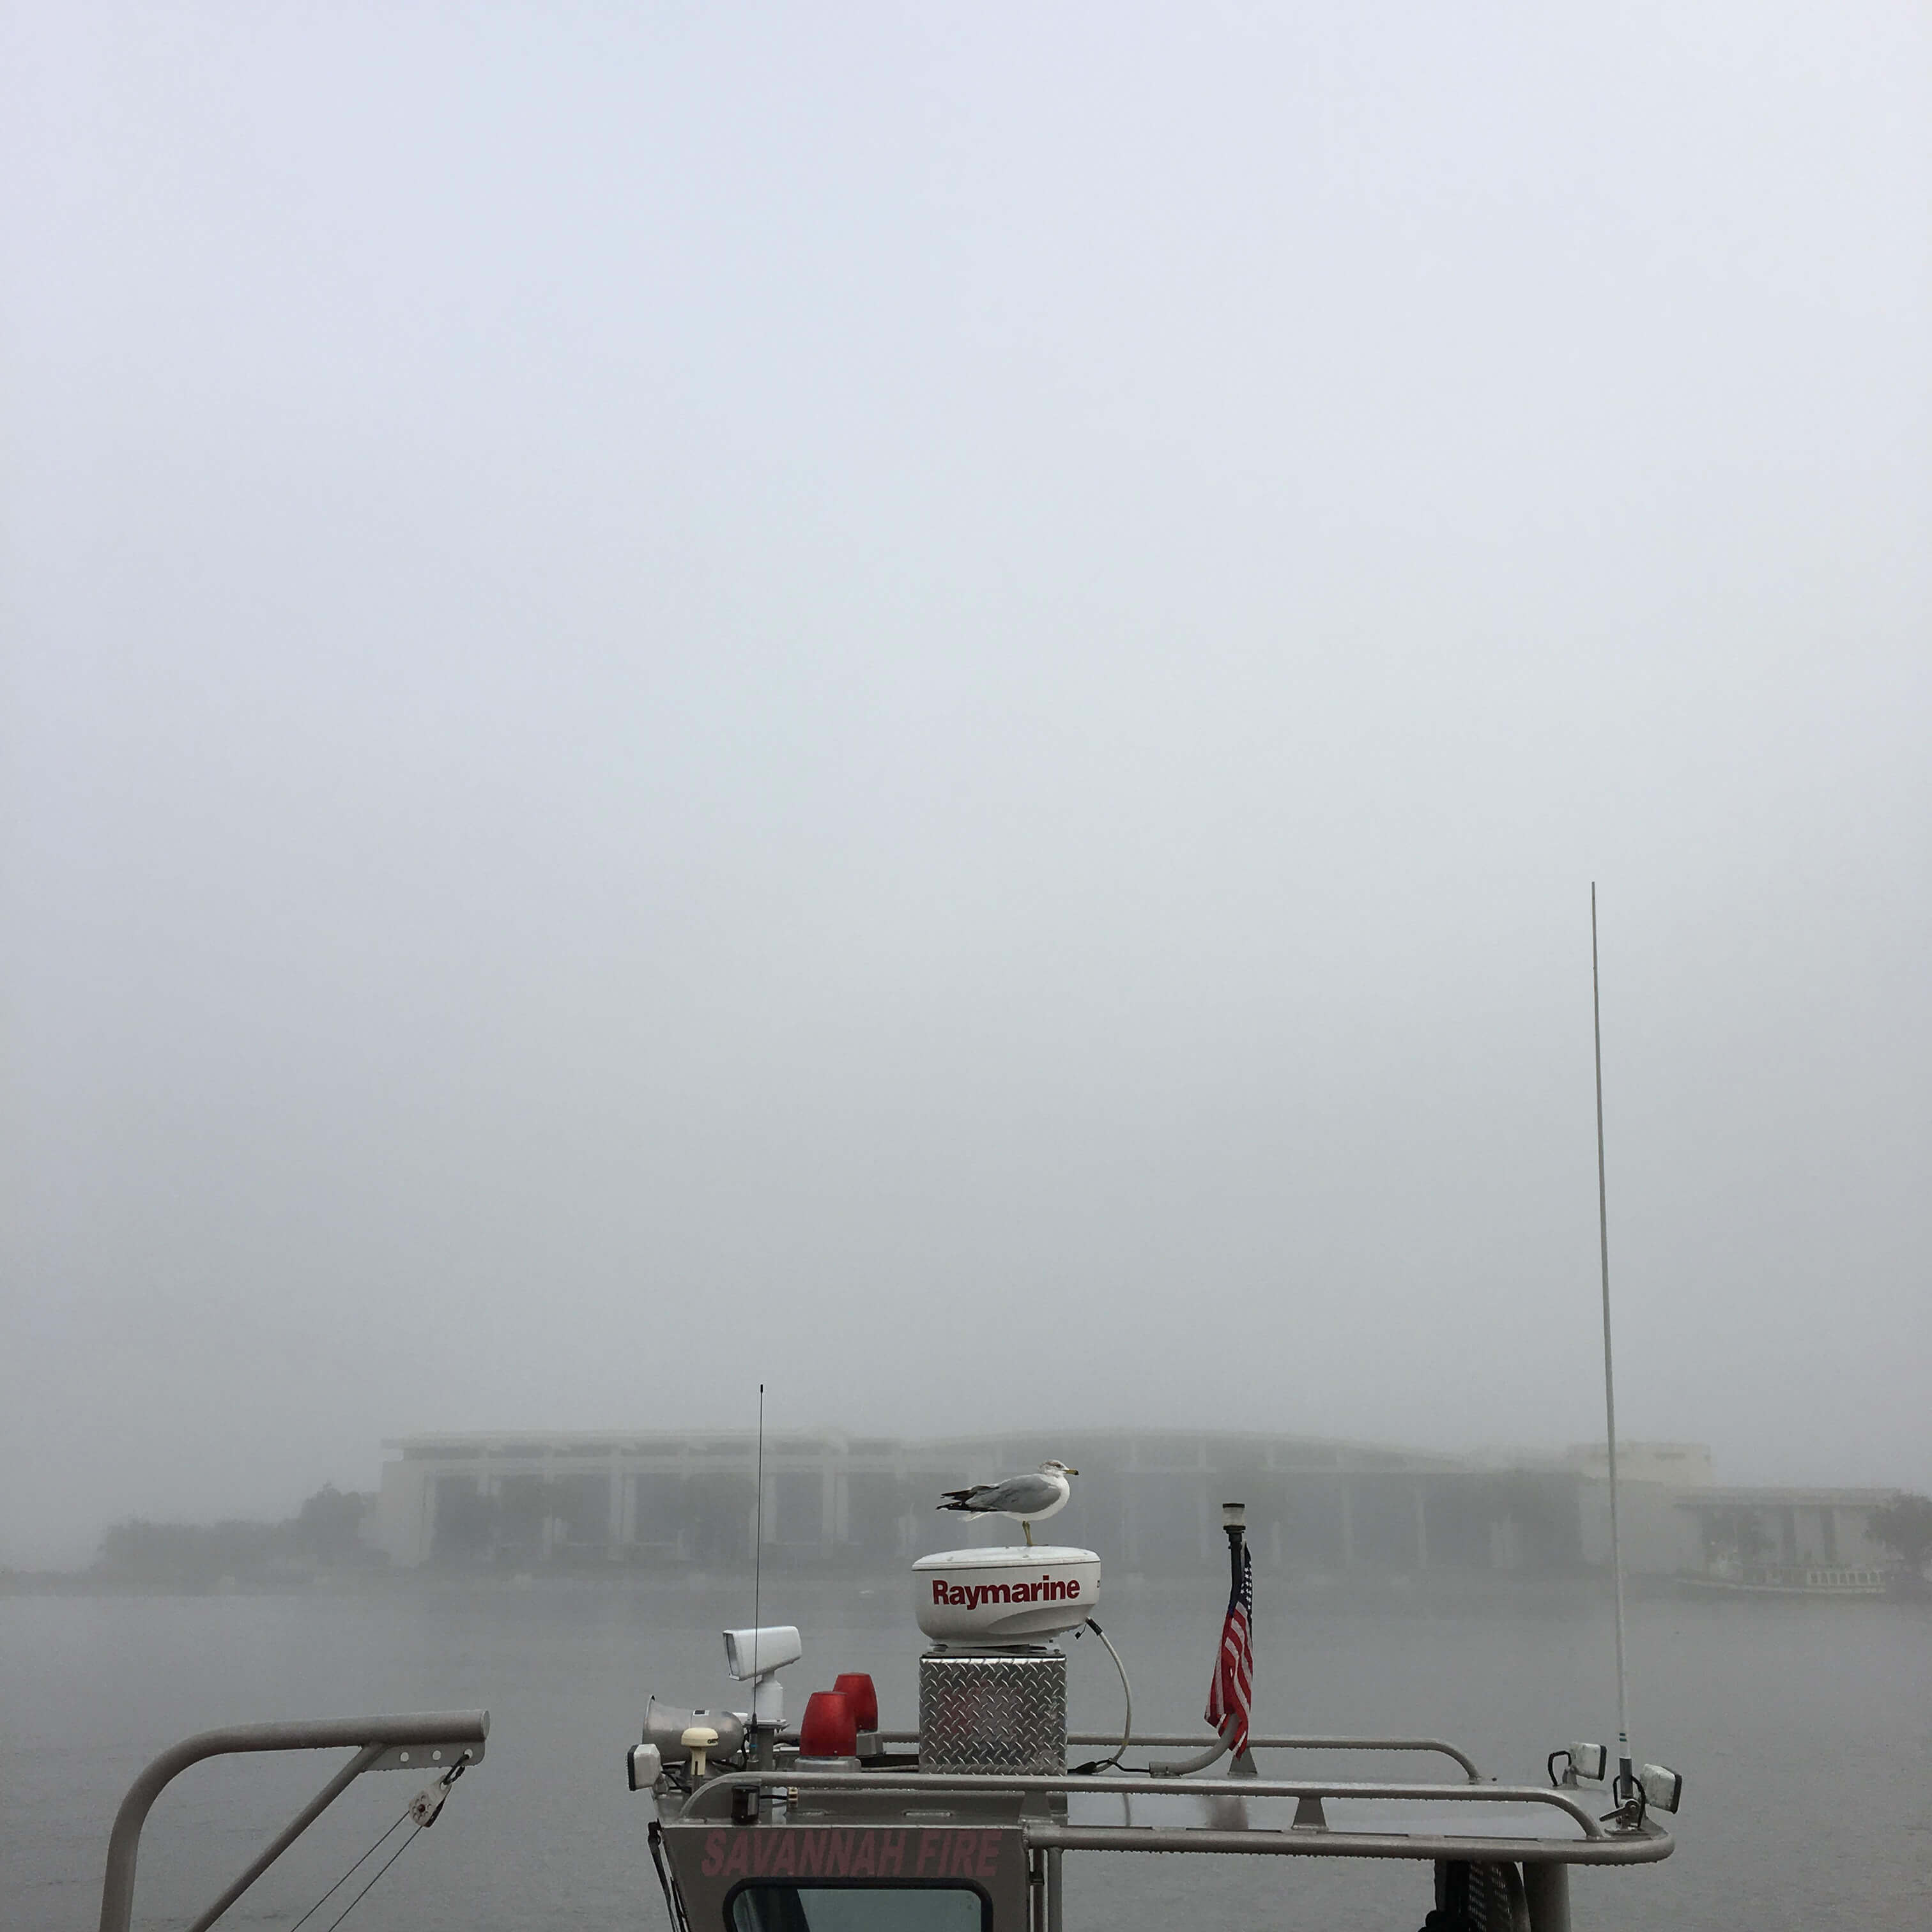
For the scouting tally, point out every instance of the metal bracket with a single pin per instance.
(426, 1806)
(428, 1757)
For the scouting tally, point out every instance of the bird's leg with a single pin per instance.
(1028, 1527)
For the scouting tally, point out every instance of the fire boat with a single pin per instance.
(963, 1824)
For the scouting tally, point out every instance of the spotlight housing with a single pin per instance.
(750, 1654)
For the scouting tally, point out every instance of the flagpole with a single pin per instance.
(1626, 1784)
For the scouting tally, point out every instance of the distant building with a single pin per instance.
(673, 1500)
(1681, 1466)
(1730, 1529)
(665, 1500)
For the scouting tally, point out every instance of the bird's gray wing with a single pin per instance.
(1023, 1494)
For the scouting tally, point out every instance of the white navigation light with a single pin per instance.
(646, 1765)
(1663, 1789)
(750, 1654)
(1589, 1761)
(1008, 1595)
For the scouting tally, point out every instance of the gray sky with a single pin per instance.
(919, 701)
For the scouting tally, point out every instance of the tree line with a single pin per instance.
(325, 1534)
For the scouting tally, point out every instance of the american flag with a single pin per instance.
(1231, 1696)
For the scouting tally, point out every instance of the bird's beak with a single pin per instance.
(1065, 1471)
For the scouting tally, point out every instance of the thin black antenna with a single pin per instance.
(1625, 1787)
(758, 1538)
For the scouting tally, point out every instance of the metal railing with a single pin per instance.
(432, 1741)
(1190, 1740)
(1187, 1740)
(1071, 1784)
(1309, 1835)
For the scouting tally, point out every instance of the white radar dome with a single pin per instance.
(1008, 1595)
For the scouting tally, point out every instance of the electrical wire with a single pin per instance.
(1185, 1767)
(1127, 1723)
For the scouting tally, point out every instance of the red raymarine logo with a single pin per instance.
(971, 1596)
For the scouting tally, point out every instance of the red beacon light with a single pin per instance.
(828, 1729)
(857, 1685)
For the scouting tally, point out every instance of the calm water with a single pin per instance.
(1804, 1732)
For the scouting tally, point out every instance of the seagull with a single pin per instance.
(1027, 1499)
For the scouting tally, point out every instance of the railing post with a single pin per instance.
(1545, 1889)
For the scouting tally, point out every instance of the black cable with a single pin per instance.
(1630, 1813)
(379, 1871)
(348, 1875)
(673, 1902)
(447, 1781)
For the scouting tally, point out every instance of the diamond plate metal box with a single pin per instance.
(993, 1711)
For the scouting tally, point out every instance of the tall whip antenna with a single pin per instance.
(758, 1532)
(1625, 1787)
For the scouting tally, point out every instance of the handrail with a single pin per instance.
(376, 1738)
(1142, 1787)
(1171, 1740)
(1648, 1846)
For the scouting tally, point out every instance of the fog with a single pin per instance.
(919, 703)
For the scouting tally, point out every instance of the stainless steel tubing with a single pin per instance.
(1193, 1741)
(703, 1804)
(1167, 1740)
(1633, 1849)
(290, 1832)
(371, 1738)
(1546, 1890)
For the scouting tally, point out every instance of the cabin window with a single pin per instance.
(762, 1907)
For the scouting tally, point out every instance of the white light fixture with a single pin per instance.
(752, 1656)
